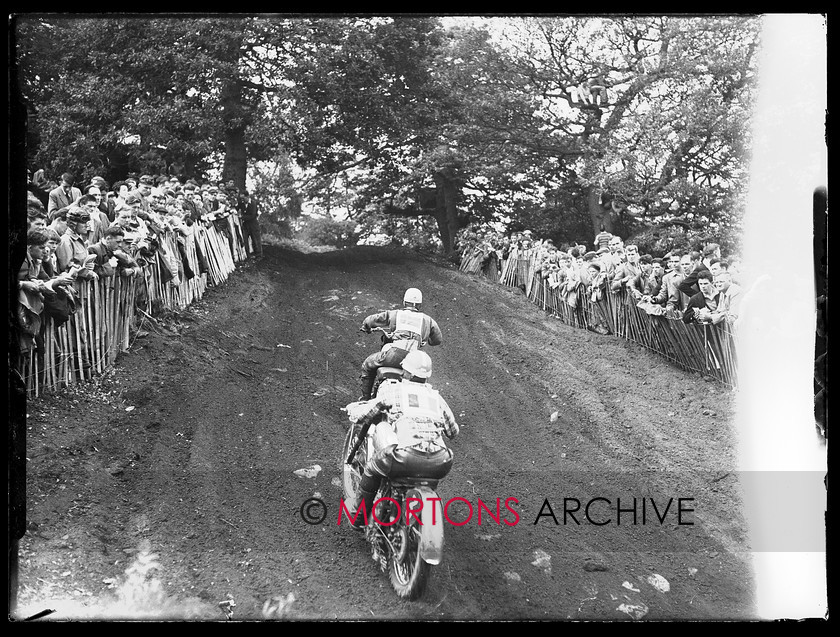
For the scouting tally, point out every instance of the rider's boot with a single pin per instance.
(368, 487)
(367, 386)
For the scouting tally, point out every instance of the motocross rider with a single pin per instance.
(411, 419)
(408, 330)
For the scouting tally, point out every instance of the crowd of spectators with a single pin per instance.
(689, 285)
(100, 230)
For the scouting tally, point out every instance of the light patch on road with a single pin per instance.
(659, 583)
(636, 611)
(308, 472)
(542, 560)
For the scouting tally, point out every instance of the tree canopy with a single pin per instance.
(559, 124)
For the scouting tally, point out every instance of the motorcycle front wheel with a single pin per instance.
(408, 573)
(351, 474)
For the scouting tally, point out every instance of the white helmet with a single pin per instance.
(413, 295)
(418, 364)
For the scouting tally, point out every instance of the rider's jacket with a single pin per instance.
(408, 328)
(418, 417)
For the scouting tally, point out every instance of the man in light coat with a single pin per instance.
(64, 195)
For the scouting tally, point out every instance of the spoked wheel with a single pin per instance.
(351, 474)
(407, 570)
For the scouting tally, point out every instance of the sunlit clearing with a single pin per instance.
(783, 460)
(138, 594)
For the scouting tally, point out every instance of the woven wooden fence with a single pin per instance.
(707, 349)
(89, 342)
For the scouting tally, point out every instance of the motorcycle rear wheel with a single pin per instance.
(409, 575)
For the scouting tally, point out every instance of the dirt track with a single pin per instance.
(195, 487)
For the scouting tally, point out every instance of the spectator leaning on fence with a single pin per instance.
(717, 266)
(603, 256)
(213, 198)
(646, 263)
(63, 303)
(72, 250)
(607, 257)
(547, 259)
(724, 265)
(157, 204)
(139, 224)
(729, 300)
(37, 286)
(110, 257)
(617, 260)
(176, 214)
(127, 221)
(31, 289)
(194, 195)
(144, 189)
(559, 272)
(576, 255)
(596, 292)
(583, 267)
(628, 276)
(98, 220)
(652, 284)
(701, 306)
(689, 286)
(579, 265)
(597, 282)
(49, 262)
(669, 294)
(571, 280)
(32, 278)
(188, 205)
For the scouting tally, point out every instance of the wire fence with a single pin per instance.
(703, 348)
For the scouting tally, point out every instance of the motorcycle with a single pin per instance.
(405, 527)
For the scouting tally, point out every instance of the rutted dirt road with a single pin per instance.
(192, 498)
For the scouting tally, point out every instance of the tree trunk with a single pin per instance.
(600, 215)
(447, 193)
(236, 158)
(236, 155)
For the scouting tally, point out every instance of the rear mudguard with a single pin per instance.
(431, 518)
